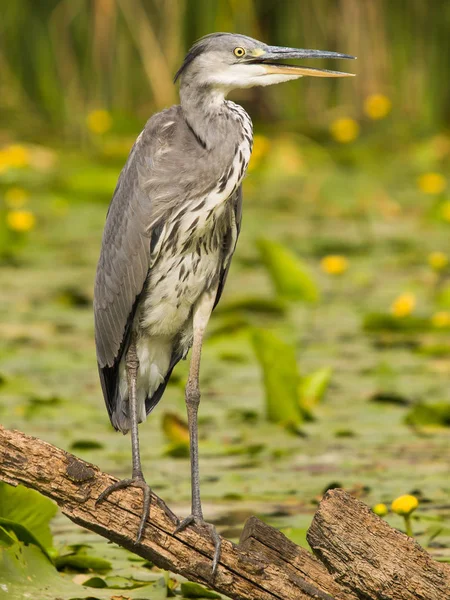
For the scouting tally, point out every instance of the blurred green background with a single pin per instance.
(328, 361)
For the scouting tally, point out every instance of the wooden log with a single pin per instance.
(371, 559)
(75, 485)
(294, 561)
(360, 556)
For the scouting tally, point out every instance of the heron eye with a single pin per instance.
(239, 52)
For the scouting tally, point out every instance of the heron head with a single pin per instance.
(227, 61)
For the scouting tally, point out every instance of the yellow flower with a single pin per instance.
(404, 505)
(445, 210)
(13, 156)
(377, 106)
(403, 305)
(261, 146)
(334, 264)
(432, 183)
(99, 121)
(20, 220)
(380, 509)
(441, 319)
(16, 197)
(438, 260)
(344, 130)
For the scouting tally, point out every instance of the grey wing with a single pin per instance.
(232, 240)
(123, 266)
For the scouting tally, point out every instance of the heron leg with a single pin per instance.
(137, 477)
(201, 316)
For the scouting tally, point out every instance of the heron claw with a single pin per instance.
(200, 522)
(138, 482)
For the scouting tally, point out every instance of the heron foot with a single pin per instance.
(138, 482)
(200, 522)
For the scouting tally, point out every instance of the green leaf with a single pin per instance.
(281, 377)
(177, 450)
(376, 322)
(86, 445)
(289, 275)
(195, 590)
(429, 414)
(23, 535)
(29, 509)
(253, 305)
(6, 539)
(27, 573)
(82, 562)
(313, 387)
(175, 428)
(96, 582)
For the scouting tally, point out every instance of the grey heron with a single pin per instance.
(170, 234)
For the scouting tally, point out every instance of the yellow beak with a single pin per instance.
(274, 69)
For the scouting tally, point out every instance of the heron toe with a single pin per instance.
(133, 482)
(200, 522)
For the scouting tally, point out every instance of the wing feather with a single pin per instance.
(125, 255)
(232, 239)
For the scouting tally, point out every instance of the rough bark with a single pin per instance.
(75, 485)
(369, 558)
(361, 557)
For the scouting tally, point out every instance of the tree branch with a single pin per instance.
(75, 485)
(371, 559)
(362, 557)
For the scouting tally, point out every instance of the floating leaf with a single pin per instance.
(253, 304)
(175, 428)
(390, 398)
(281, 377)
(72, 296)
(86, 445)
(313, 387)
(289, 275)
(177, 450)
(22, 534)
(82, 562)
(27, 573)
(6, 539)
(95, 582)
(429, 414)
(29, 510)
(344, 433)
(195, 590)
(375, 322)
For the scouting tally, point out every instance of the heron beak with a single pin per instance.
(271, 53)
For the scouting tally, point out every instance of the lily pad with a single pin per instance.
(82, 562)
(253, 305)
(289, 274)
(175, 428)
(437, 414)
(376, 322)
(281, 377)
(86, 445)
(313, 387)
(25, 511)
(27, 572)
(195, 590)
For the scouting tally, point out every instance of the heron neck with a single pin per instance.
(201, 108)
